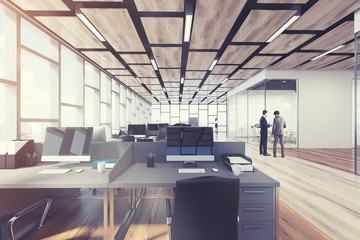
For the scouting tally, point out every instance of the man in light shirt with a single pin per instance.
(278, 132)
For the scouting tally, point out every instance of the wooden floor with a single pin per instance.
(82, 219)
(317, 202)
(342, 159)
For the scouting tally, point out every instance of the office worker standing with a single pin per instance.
(278, 132)
(264, 125)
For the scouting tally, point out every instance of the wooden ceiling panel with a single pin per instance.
(116, 26)
(143, 70)
(253, 29)
(334, 38)
(97, 0)
(213, 21)
(346, 64)
(237, 54)
(160, 5)
(286, 43)
(163, 30)
(195, 74)
(349, 48)
(128, 80)
(154, 88)
(72, 30)
(119, 72)
(150, 81)
(261, 61)
(135, 58)
(170, 85)
(167, 56)
(191, 83)
(321, 62)
(208, 87)
(215, 79)
(325, 13)
(232, 83)
(139, 89)
(36, 5)
(294, 60)
(200, 60)
(104, 59)
(284, 1)
(244, 73)
(170, 75)
(224, 69)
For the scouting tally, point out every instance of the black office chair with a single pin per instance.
(161, 136)
(126, 138)
(206, 208)
(17, 226)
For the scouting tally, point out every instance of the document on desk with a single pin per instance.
(55, 171)
(238, 160)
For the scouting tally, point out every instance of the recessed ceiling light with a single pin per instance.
(154, 64)
(90, 26)
(326, 53)
(139, 80)
(224, 81)
(164, 89)
(284, 27)
(198, 89)
(188, 23)
(182, 80)
(180, 95)
(213, 65)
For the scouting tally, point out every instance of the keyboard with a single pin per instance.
(191, 170)
(55, 171)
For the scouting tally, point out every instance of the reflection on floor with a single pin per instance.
(326, 197)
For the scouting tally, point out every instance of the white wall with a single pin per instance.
(325, 107)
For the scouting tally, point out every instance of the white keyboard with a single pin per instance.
(55, 171)
(191, 170)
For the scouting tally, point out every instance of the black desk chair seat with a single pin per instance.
(206, 208)
(17, 226)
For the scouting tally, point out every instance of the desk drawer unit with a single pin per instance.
(256, 230)
(256, 214)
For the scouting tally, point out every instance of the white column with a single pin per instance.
(357, 21)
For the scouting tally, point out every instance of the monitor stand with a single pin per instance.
(189, 164)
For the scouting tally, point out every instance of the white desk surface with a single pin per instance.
(28, 177)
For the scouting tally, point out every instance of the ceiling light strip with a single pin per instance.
(139, 80)
(326, 53)
(224, 81)
(213, 64)
(90, 26)
(182, 80)
(154, 64)
(188, 24)
(284, 27)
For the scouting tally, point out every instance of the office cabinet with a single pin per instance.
(256, 213)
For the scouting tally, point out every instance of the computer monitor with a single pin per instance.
(71, 144)
(137, 129)
(190, 144)
(99, 134)
(162, 125)
(153, 126)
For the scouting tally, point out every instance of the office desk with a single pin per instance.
(258, 210)
(29, 178)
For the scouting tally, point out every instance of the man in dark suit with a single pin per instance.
(264, 134)
(278, 132)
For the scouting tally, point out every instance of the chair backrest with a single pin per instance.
(206, 208)
(126, 138)
(161, 134)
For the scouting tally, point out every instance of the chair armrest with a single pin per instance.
(27, 210)
(168, 212)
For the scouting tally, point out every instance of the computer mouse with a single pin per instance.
(79, 170)
(215, 169)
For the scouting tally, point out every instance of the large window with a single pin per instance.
(43, 83)
(72, 90)
(7, 44)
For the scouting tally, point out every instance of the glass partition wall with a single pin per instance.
(247, 107)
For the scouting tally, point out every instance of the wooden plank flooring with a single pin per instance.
(339, 158)
(326, 197)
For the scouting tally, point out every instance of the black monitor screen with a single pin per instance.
(63, 144)
(190, 140)
(136, 129)
(153, 126)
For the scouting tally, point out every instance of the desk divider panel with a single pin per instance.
(125, 160)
